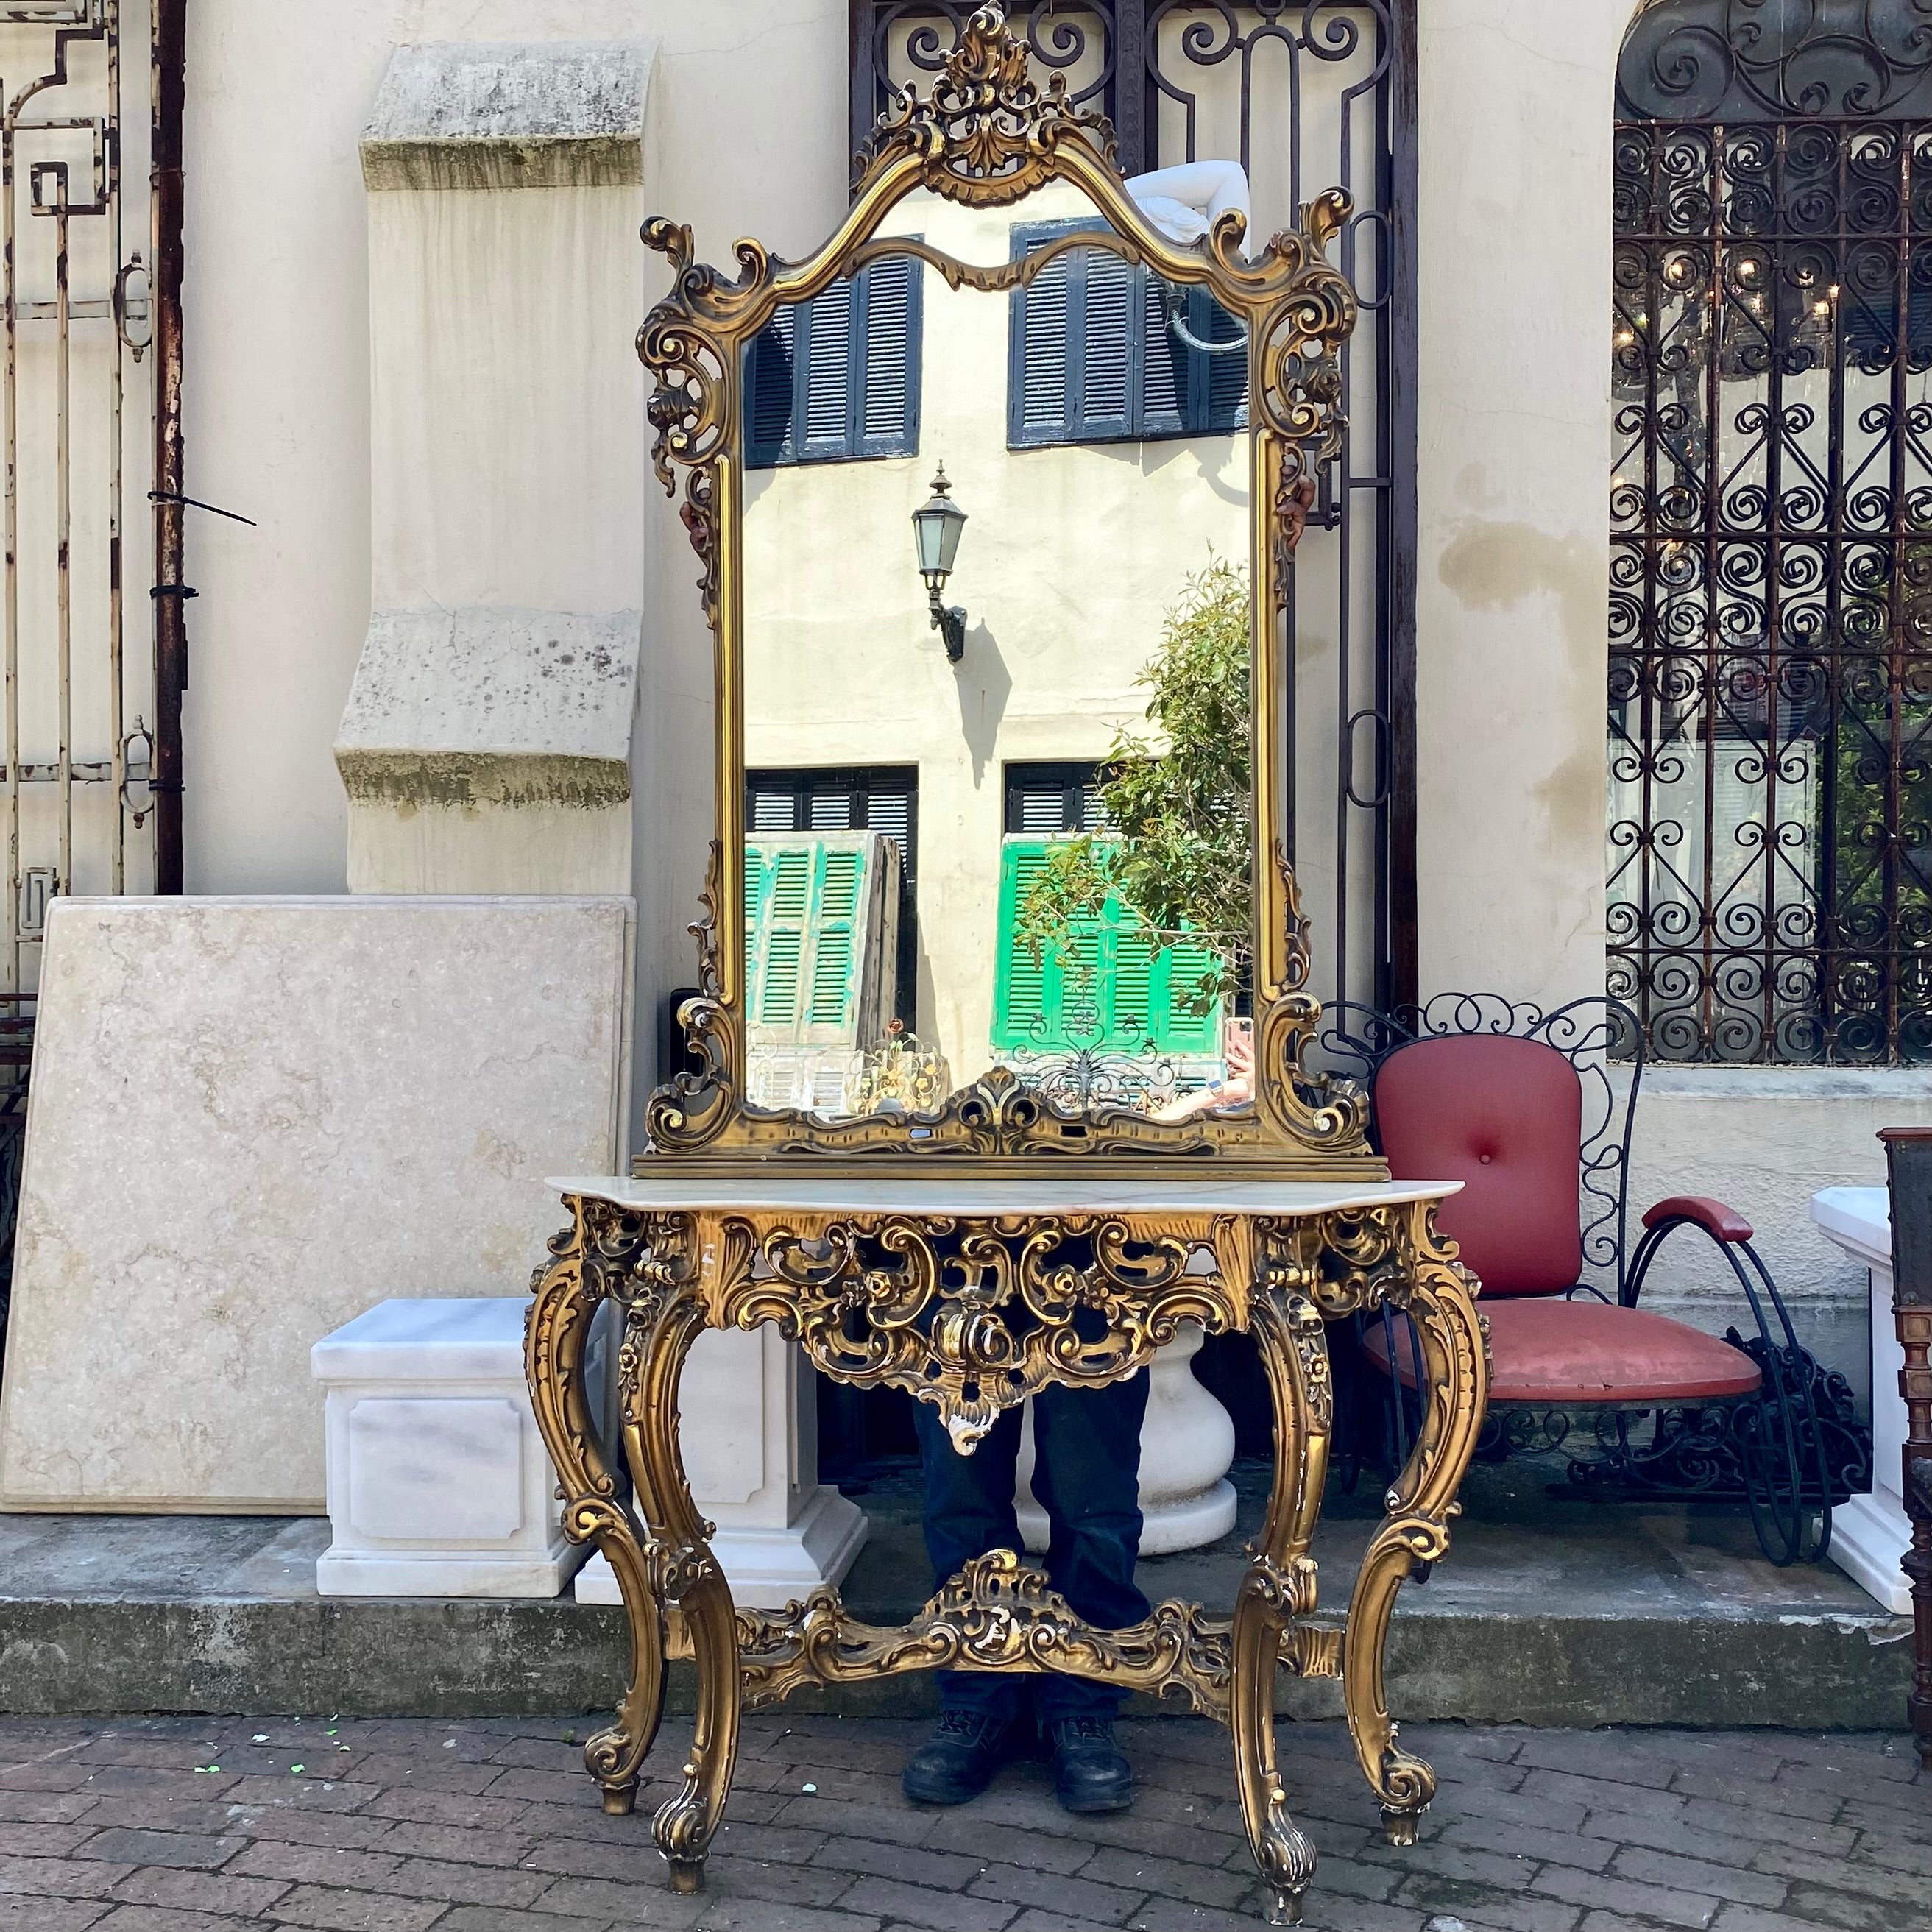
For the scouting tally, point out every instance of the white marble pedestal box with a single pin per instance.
(1870, 1533)
(749, 1424)
(439, 1484)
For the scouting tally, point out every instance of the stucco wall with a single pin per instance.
(1512, 575)
(1513, 430)
(748, 135)
(1069, 558)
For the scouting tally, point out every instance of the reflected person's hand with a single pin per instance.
(1294, 511)
(1233, 1092)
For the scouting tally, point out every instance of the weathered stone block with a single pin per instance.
(251, 1120)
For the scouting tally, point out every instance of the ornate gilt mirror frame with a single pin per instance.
(986, 136)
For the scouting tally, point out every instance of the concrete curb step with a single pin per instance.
(1544, 1613)
(411, 1658)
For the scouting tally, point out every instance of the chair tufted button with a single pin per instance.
(1484, 1159)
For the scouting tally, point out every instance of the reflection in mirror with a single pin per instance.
(996, 679)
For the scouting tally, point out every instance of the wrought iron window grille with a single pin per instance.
(1306, 94)
(1770, 729)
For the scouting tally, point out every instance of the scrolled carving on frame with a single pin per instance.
(692, 1108)
(973, 1315)
(987, 135)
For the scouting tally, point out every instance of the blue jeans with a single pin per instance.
(1086, 1474)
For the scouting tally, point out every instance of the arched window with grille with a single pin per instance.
(1770, 838)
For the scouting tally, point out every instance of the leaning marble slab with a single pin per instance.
(250, 1121)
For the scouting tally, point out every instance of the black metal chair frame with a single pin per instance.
(1789, 1451)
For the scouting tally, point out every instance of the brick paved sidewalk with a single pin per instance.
(405, 1827)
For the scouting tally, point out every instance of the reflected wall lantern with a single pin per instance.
(936, 526)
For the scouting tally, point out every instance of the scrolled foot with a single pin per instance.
(618, 1800)
(1284, 1907)
(687, 1875)
(1399, 1827)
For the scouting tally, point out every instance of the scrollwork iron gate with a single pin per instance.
(1306, 94)
(1771, 615)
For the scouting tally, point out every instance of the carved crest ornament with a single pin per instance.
(972, 1310)
(987, 135)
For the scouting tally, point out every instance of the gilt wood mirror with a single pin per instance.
(994, 495)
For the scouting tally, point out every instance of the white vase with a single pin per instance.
(1187, 1447)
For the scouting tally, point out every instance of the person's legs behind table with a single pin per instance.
(1087, 1475)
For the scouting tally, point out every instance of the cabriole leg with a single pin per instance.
(1441, 1302)
(604, 1254)
(682, 1568)
(1279, 1585)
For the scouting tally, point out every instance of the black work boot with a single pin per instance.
(958, 1760)
(1090, 1773)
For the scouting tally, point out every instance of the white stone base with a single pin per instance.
(1870, 1533)
(361, 1574)
(768, 1568)
(1868, 1540)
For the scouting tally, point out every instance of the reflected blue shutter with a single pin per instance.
(768, 382)
(837, 377)
(1103, 352)
(889, 391)
(827, 354)
(1227, 376)
(1093, 357)
(1165, 360)
(1037, 384)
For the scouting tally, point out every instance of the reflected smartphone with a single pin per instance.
(1237, 1037)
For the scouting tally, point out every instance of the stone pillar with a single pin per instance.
(486, 744)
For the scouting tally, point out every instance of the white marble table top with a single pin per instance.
(685, 1188)
(1859, 1218)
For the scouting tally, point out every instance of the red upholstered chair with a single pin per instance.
(1534, 1116)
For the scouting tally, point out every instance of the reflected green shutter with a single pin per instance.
(1115, 985)
(802, 907)
(777, 957)
(838, 879)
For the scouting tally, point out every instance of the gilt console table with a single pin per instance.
(971, 1294)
